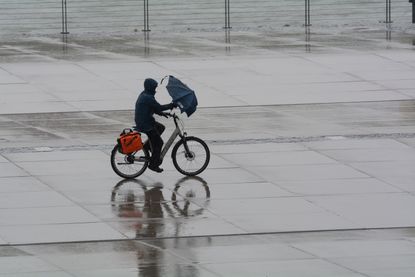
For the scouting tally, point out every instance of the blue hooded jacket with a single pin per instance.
(146, 106)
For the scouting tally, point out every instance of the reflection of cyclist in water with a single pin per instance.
(142, 204)
(136, 199)
(145, 202)
(153, 209)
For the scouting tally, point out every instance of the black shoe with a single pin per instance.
(156, 168)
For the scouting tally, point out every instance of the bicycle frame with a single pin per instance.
(177, 132)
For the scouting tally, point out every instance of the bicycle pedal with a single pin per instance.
(141, 159)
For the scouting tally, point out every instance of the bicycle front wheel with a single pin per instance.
(129, 166)
(190, 156)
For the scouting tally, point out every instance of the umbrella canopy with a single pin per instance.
(182, 95)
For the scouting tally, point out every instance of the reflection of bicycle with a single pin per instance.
(191, 191)
(145, 203)
(196, 194)
(190, 155)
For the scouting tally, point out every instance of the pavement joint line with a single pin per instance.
(331, 261)
(35, 149)
(213, 235)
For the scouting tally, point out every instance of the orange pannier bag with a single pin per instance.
(129, 141)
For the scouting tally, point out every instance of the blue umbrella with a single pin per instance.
(182, 95)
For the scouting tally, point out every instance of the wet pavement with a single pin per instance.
(311, 175)
(316, 198)
(305, 179)
(346, 253)
(249, 74)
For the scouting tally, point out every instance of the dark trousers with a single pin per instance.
(156, 143)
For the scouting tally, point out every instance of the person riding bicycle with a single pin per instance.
(145, 107)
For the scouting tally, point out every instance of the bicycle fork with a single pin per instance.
(189, 154)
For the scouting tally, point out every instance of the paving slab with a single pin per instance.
(260, 148)
(66, 167)
(338, 186)
(370, 155)
(11, 170)
(344, 143)
(247, 190)
(388, 265)
(24, 199)
(371, 210)
(307, 267)
(337, 249)
(59, 232)
(7, 78)
(42, 215)
(22, 184)
(291, 222)
(24, 264)
(57, 156)
(308, 172)
(3, 159)
(397, 173)
(272, 159)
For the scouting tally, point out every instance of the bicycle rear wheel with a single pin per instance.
(193, 159)
(129, 166)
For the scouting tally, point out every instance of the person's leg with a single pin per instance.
(160, 129)
(156, 145)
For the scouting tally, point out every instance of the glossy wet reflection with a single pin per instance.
(146, 207)
(307, 39)
(227, 41)
(146, 44)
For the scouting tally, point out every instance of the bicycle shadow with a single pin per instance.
(142, 205)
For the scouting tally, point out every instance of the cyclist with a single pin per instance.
(145, 107)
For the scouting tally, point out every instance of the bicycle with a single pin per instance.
(190, 154)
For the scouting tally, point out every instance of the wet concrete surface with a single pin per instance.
(79, 46)
(322, 190)
(258, 124)
(310, 176)
(248, 78)
(345, 253)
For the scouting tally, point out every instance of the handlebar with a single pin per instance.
(171, 115)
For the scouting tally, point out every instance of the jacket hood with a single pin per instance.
(150, 85)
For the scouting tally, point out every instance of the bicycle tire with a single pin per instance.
(121, 165)
(181, 159)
